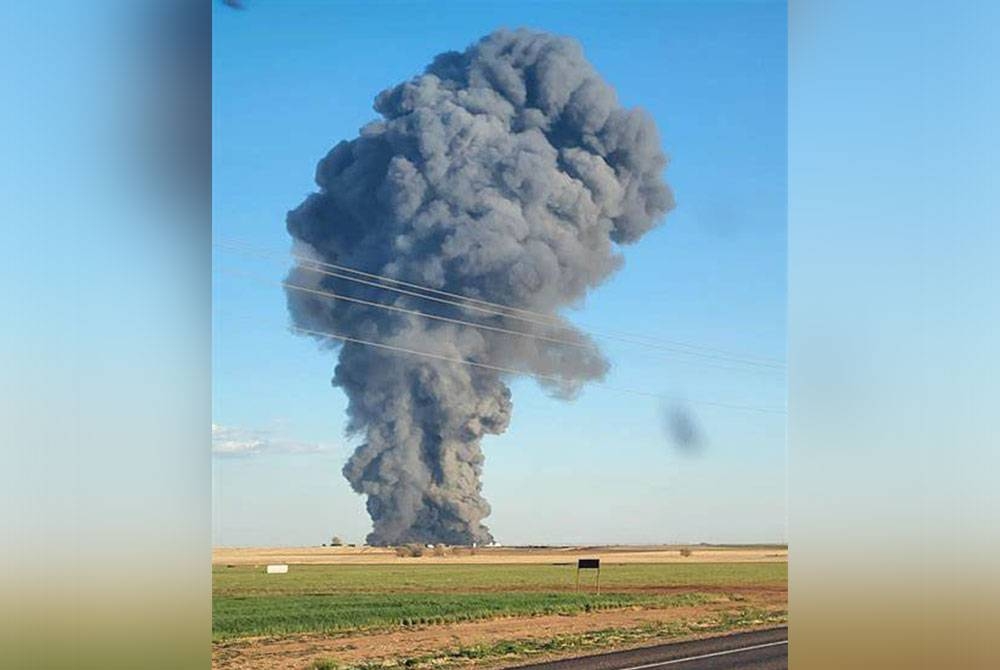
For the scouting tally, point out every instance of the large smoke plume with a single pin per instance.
(507, 173)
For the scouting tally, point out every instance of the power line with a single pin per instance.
(317, 266)
(437, 317)
(394, 308)
(436, 291)
(600, 335)
(537, 375)
(313, 265)
(548, 318)
(337, 296)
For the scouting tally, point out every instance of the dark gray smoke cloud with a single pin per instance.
(509, 173)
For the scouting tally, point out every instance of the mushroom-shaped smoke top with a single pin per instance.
(506, 173)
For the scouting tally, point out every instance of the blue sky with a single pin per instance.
(292, 79)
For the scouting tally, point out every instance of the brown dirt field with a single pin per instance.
(299, 652)
(496, 555)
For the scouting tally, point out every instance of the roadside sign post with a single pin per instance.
(589, 564)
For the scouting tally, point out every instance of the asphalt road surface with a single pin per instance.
(759, 650)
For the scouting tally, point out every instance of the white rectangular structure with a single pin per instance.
(277, 569)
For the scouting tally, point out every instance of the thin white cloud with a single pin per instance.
(228, 441)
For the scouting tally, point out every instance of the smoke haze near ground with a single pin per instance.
(507, 173)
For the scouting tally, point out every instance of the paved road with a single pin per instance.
(760, 650)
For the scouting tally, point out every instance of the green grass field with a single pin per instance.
(332, 579)
(328, 598)
(283, 615)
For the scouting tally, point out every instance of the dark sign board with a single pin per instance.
(588, 563)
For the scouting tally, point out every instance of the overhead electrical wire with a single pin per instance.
(496, 308)
(463, 302)
(528, 373)
(489, 366)
(395, 308)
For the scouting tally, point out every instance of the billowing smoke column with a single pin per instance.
(507, 173)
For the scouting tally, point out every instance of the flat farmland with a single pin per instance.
(417, 577)
(501, 555)
(326, 598)
(437, 611)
